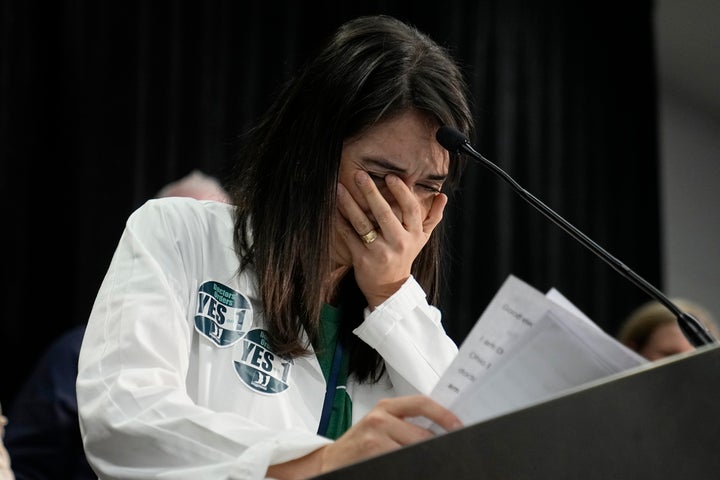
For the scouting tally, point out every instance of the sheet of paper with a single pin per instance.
(525, 348)
(509, 315)
(557, 297)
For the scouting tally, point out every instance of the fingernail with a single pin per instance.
(361, 177)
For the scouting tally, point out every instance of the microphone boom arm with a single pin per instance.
(696, 333)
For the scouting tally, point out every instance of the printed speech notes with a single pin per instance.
(525, 348)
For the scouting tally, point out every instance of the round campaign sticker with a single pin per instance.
(259, 368)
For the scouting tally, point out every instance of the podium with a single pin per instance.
(658, 421)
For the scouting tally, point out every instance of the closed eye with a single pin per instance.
(430, 188)
(379, 180)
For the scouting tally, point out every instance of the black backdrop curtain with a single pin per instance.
(102, 103)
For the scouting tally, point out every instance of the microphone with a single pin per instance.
(696, 333)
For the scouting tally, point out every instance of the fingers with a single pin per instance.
(352, 211)
(412, 215)
(402, 221)
(385, 431)
(387, 220)
(353, 222)
(385, 428)
(390, 417)
(414, 218)
(421, 405)
(436, 213)
(409, 215)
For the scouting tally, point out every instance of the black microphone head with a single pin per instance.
(451, 138)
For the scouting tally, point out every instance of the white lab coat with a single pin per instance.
(175, 380)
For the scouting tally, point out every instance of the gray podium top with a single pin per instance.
(655, 422)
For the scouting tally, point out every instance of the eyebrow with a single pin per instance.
(391, 167)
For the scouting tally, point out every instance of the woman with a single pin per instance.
(288, 335)
(652, 330)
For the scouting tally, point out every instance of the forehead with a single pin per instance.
(669, 334)
(407, 139)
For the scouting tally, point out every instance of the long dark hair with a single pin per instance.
(284, 184)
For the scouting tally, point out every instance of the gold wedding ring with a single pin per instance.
(369, 237)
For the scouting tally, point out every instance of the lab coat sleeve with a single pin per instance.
(407, 332)
(136, 418)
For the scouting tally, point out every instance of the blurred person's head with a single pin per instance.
(653, 331)
(195, 184)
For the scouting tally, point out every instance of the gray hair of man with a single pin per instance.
(195, 184)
